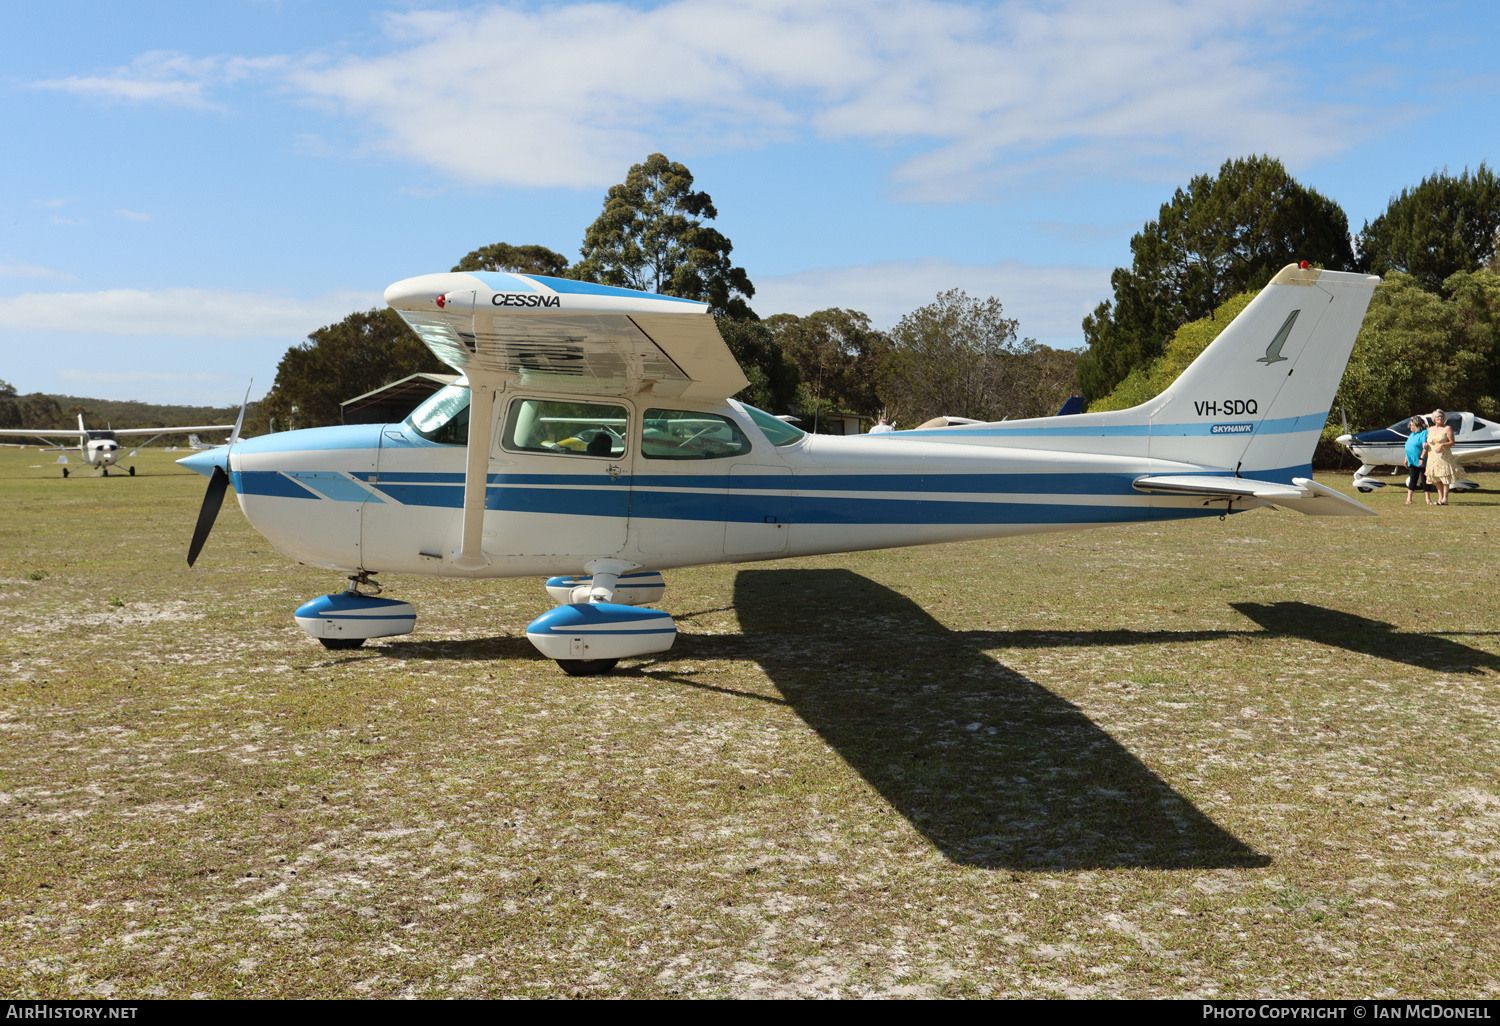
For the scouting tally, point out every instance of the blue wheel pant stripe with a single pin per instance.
(598, 634)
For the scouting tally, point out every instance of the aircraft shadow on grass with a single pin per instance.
(993, 768)
(1429, 651)
(1036, 784)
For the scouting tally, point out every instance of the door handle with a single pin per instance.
(613, 472)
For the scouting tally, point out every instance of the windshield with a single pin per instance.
(777, 431)
(445, 417)
(1453, 420)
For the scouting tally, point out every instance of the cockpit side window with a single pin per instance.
(683, 435)
(444, 418)
(565, 428)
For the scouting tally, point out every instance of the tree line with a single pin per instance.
(42, 412)
(1429, 339)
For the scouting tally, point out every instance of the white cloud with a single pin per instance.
(572, 94)
(163, 76)
(30, 271)
(182, 313)
(133, 215)
(1050, 302)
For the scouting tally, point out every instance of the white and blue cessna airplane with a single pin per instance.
(592, 440)
(1474, 439)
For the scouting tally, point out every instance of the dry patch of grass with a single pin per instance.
(1248, 758)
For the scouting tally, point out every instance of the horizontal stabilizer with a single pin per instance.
(1303, 494)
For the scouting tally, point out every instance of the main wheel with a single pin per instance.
(132, 472)
(342, 642)
(587, 667)
(65, 471)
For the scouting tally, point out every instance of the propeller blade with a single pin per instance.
(234, 436)
(218, 484)
(1345, 418)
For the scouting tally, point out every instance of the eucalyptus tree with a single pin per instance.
(1216, 238)
(652, 235)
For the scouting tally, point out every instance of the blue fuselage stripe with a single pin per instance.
(820, 498)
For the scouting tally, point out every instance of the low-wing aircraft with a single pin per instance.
(101, 448)
(592, 441)
(1474, 440)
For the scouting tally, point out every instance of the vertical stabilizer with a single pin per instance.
(1255, 401)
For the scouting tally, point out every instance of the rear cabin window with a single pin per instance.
(777, 431)
(566, 429)
(683, 435)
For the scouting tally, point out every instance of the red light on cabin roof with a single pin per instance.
(443, 300)
(1302, 265)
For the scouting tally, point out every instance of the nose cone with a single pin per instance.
(1345, 439)
(205, 462)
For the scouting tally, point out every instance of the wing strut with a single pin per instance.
(471, 556)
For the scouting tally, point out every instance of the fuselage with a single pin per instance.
(669, 484)
(100, 449)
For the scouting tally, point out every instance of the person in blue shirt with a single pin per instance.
(1416, 454)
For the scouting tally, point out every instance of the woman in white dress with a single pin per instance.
(1442, 469)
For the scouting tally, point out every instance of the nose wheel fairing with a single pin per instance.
(349, 618)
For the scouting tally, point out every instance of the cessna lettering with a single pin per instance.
(1228, 408)
(523, 299)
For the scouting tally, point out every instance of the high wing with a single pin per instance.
(1303, 494)
(499, 329)
(568, 336)
(74, 432)
(1487, 452)
(172, 429)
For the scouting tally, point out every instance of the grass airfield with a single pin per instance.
(1250, 758)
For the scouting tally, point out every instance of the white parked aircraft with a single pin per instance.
(102, 448)
(592, 441)
(1474, 440)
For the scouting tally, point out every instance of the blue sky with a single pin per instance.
(193, 188)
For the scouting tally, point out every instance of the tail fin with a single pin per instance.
(1255, 401)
